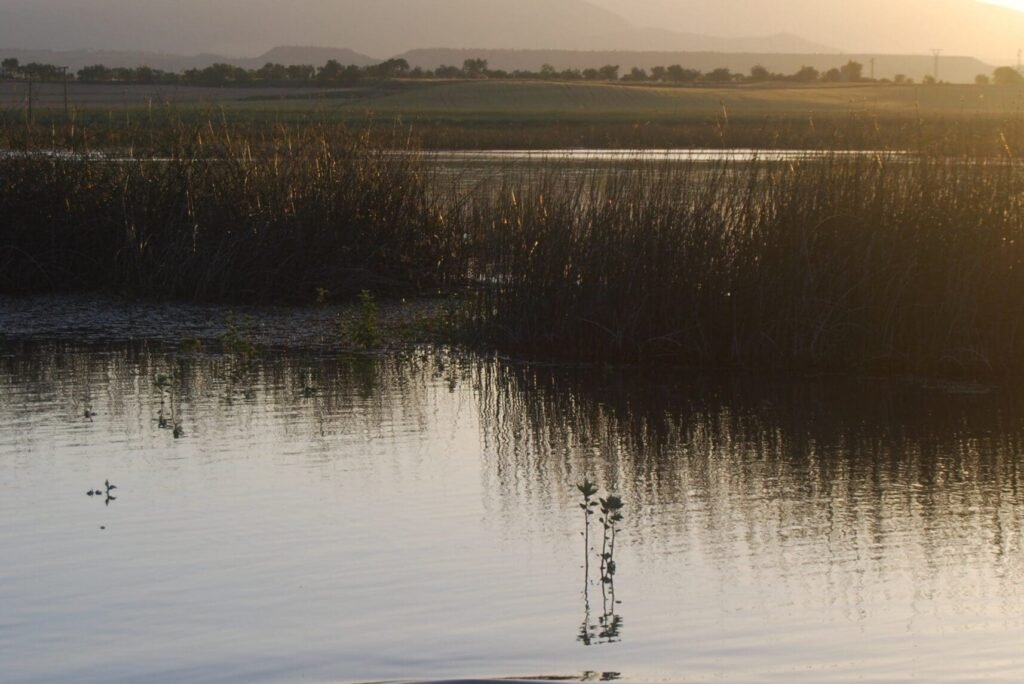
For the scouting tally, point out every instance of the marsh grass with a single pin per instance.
(222, 214)
(887, 262)
(862, 263)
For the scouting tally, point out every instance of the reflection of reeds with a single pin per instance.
(817, 450)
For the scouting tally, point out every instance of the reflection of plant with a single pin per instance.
(167, 417)
(240, 352)
(235, 340)
(609, 626)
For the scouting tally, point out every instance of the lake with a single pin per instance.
(305, 515)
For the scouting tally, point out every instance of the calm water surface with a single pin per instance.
(327, 518)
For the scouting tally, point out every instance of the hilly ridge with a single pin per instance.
(376, 27)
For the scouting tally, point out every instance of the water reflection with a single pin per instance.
(423, 506)
(820, 459)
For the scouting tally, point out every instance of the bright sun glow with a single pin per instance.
(1013, 4)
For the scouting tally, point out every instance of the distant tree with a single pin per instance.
(658, 73)
(677, 74)
(591, 75)
(609, 72)
(272, 72)
(759, 73)
(982, 80)
(445, 71)
(720, 75)
(833, 75)
(331, 71)
(899, 79)
(10, 66)
(144, 74)
(392, 68)
(928, 80)
(807, 74)
(571, 75)
(547, 72)
(96, 73)
(301, 72)
(41, 72)
(851, 72)
(1007, 76)
(217, 74)
(636, 74)
(474, 68)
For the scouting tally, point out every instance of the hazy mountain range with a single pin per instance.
(174, 63)
(384, 28)
(376, 27)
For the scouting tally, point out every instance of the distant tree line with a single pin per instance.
(335, 73)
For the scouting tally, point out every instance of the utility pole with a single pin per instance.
(936, 52)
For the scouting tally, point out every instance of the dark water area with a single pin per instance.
(304, 515)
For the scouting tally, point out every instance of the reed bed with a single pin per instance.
(225, 215)
(840, 263)
(885, 262)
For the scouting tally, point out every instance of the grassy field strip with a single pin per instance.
(525, 98)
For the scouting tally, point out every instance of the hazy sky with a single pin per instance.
(382, 28)
(966, 27)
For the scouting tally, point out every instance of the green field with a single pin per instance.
(947, 119)
(482, 114)
(494, 99)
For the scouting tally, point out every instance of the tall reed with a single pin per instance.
(224, 214)
(844, 262)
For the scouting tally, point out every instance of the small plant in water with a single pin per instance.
(368, 332)
(190, 345)
(588, 489)
(611, 515)
(361, 329)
